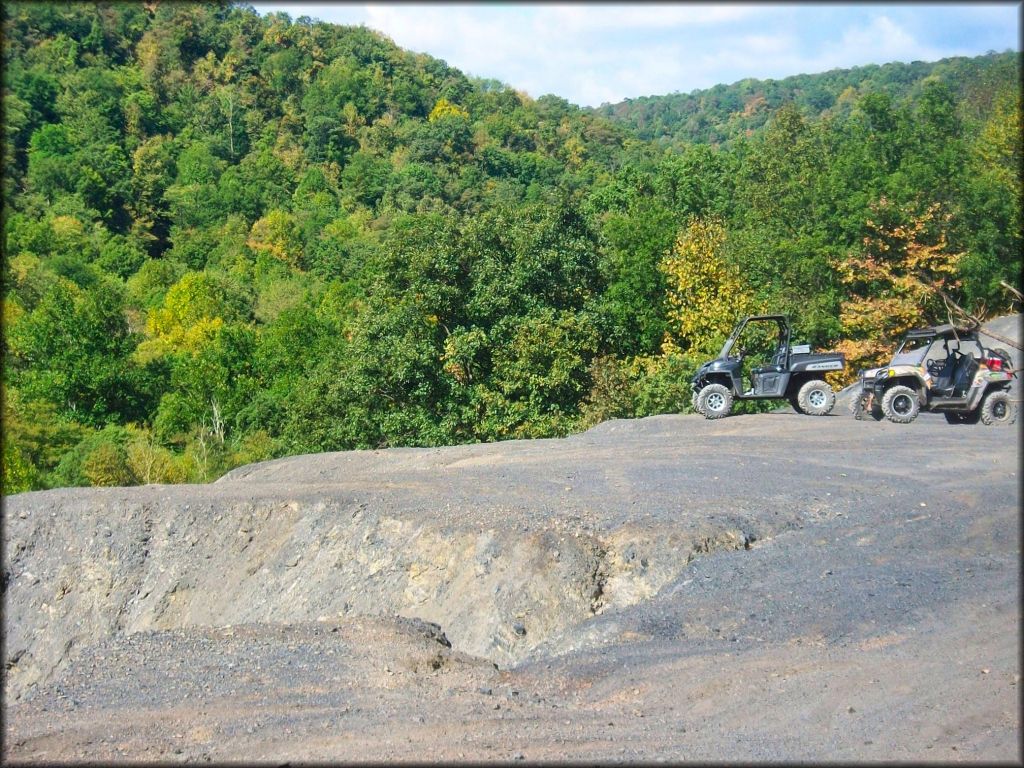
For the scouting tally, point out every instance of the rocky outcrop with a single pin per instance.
(85, 564)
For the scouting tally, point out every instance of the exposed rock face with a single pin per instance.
(85, 564)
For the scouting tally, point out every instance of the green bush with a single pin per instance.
(101, 458)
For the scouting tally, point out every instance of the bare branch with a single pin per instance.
(974, 321)
(1011, 289)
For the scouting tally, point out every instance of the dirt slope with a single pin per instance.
(765, 587)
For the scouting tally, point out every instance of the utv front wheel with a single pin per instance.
(900, 404)
(715, 401)
(816, 398)
(998, 408)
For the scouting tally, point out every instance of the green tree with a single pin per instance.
(74, 350)
(153, 172)
(632, 306)
(541, 373)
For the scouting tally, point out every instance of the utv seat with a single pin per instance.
(944, 380)
(775, 365)
(963, 371)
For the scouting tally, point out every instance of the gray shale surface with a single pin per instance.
(765, 587)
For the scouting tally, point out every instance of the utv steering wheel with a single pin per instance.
(933, 366)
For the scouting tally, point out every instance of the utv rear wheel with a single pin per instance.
(816, 398)
(715, 401)
(998, 408)
(900, 404)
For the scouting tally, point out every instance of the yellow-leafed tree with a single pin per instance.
(705, 296)
(892, 278)
(277, 233)
(444, 108)
(192, 313)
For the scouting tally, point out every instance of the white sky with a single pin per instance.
(591, 53)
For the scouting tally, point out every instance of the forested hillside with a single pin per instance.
(725, 112)
(229, 238)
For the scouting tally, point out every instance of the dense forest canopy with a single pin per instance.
(230, 237)
(722, 113)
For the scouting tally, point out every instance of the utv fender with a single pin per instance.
(910, 382)
(720, 377)
(980, 390)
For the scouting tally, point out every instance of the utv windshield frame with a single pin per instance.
(782, 345)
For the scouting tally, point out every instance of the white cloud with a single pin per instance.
(418, 28)
(758, 46)
(579, 17)
(484, 45)
(881, 41)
